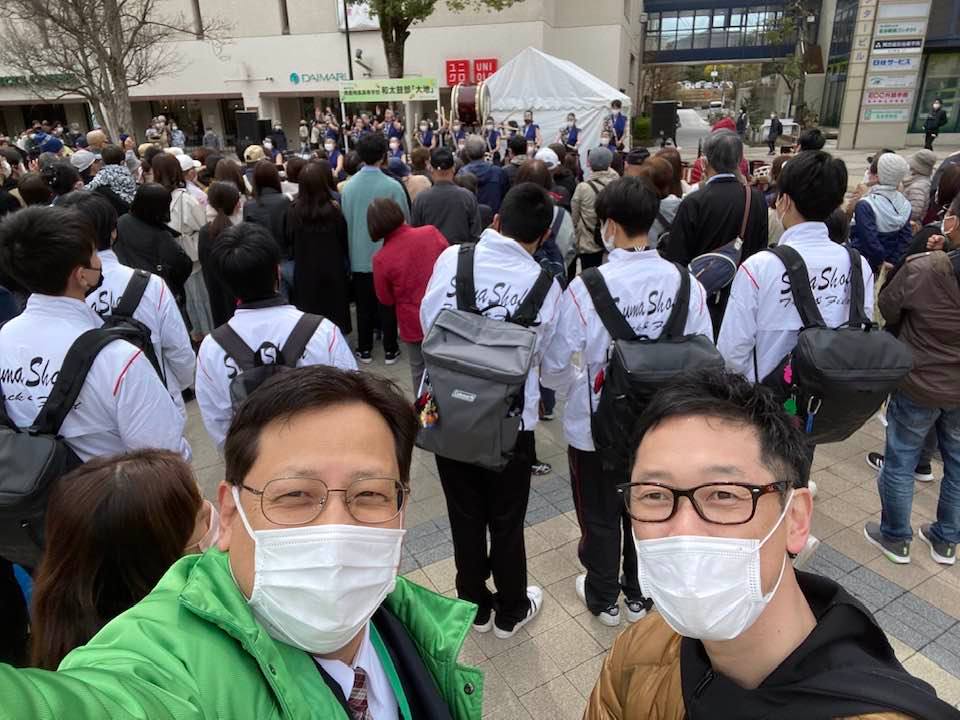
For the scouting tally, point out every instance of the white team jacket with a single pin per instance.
(271, 325)
(503, 274)
(158, 311)
(644, 287)
(122, 406)
(761, 313)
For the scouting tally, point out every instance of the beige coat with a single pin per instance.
(584, 215)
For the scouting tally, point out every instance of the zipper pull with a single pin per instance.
(704, 682)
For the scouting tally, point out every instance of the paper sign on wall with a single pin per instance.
(888, 97)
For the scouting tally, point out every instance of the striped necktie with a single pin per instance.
(358, 696)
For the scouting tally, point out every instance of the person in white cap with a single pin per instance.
(881, 229)
(189, 167)
(86, 163)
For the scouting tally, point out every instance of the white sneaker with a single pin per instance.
(636, 611)
(609, 617)
(535, 596)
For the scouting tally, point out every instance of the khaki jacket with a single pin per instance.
(583, 212)
(640, 678)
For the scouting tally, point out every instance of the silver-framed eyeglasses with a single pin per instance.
(300, 500)
(717, 503)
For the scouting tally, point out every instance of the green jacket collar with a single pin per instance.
(437, 624)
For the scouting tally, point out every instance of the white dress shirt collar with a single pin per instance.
(380, 698)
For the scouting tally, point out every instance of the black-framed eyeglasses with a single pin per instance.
(717, 503)
(300, 500)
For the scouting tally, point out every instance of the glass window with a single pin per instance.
(720, 18)
(753, 19)
(941, 79)
(736, 16)
(669, 20)
(718, 38)
(653, 42)
(654, 22)
(735, 38)
(702, 21)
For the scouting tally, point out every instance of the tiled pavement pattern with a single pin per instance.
(550, 666)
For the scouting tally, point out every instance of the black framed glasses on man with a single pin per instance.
(716, 503)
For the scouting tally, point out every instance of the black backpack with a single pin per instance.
(639, 366)
(34, 459)
(837, 377)
(253, 370)
(134, 331)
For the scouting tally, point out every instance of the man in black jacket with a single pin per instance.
(710, 218)
(452, 210)
(776, 130)
(935, 120)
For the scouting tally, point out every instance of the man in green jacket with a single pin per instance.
(369, 184)
(298, 612)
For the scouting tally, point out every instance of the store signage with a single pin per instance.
(483, 68)
(886, 29)
(458, 72)
(895, 47)
(886, 114)
(360, 15)
(888, 97)
(297, 78)
(903, 10)
(895, 63)
(892, 81)
(395, 90)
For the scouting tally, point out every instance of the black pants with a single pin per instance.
(928, 139)
(13, 610)
(772, 145)
(587, 260)
(481, 500)
(605, 532)
(368, 312)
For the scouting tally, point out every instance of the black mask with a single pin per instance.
(96, 287)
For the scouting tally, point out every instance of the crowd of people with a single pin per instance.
(651, 304)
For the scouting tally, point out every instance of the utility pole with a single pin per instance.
(346, 25)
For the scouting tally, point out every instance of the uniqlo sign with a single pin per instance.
(483, 68)
(458, 72)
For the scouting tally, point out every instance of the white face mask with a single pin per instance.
(423, 128)
(489, 126)
(394, 146)
(604, 140)
(707, 588)
(329, 147)
(570, 123)
(315, 587)
(608, 241)
(268, 146)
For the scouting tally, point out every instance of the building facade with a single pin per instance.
(284, 57)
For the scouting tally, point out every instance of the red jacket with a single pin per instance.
(401, 271)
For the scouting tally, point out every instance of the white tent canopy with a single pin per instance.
(551, 88)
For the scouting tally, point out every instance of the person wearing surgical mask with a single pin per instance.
(626, 209)
(334, 157)
(936, 119)
(298, 609)
(738, 632)
(114, 526)
(425, 137)
(569, 135)
(531, 131)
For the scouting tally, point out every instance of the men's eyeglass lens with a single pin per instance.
(297, 501)
(722, 504)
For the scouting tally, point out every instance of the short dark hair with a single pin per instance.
(631, 202)
(468, 181)
(419, 159)
(372, 148)
(294, 167)
(383, 217)
(265, 175)
(816, 182)
(41, 246)
(316, 387)
(616, 104)
(113, 155)
(34, 190)
(98, 210)
(526, 213)
(151, 204)
(517, 145)
(246, 257)
(61, 176)
(659, 171)
(535, 171)
(812, 139)
(729, 396)
(352, 162)
(166, 171)
(949, 186)
(838, 226)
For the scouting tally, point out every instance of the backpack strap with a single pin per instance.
(857, 316)
(132, 294)
(297, 341)
(557, 222)
(234, 346)
(800, 286)
(677, 322)
(73, 373)
(746, 212)
(526, 312)
(613, 320)
(466, 290)
(663, 221)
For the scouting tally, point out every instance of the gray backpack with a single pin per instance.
(253, 370)
(476, 369)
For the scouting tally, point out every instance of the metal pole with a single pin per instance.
(346, 25)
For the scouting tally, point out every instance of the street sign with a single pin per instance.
(896, 47)
(395, 90)
(888, 97)
(911, 62)
(912, 27)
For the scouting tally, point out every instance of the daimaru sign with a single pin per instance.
(296, 78)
